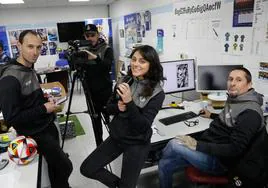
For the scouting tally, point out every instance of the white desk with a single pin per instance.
(167, 132)
(19, 176)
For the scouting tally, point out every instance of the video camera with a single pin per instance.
(75, 55)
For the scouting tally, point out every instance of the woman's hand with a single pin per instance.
(122, 107)
(124, 92)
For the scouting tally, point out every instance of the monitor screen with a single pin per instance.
(71, 31)
(179, 74)
(213, 78)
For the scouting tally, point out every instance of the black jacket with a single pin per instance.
(22, 100)
(134, 125)
(98, 75)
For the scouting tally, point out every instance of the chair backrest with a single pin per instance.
(252, 168)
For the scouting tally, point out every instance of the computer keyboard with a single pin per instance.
(177, 118)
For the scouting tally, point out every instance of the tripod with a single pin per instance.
(80, 73)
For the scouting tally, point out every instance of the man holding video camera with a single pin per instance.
(98, 75)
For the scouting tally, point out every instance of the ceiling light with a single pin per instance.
(78, 0)
(11, 1)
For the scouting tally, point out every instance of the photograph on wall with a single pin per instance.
(264, 66)
(104, 26)
(130, 23)
(43, 33)
(263, 71)
(263, 75)
(136, 25)
(4, 41)
(147, 20)
(52, 47)
(44, 49)
(52, 34)
(13, 36)
(15, 51)
(182, 75)
(13, 40)
(243, 13)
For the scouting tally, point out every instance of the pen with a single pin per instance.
(215, 32)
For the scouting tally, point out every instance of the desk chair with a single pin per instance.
(197, 177)
(243, 169)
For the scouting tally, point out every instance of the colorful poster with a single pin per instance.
(243, 13)
(52, 34)
(4, 40)
(136, 25)
(130, 22)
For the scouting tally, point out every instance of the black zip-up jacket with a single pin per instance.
(229, 143)
(134, 125)
(98, 75)
(22, 100)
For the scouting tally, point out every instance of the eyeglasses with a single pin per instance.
(191, 123)
(90, 34)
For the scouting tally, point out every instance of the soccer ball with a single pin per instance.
(22, 150)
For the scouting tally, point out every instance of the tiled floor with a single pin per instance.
(81, 146)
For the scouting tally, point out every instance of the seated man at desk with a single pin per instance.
(220, 146)
(26, 109)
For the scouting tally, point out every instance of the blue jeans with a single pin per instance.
(177, 156)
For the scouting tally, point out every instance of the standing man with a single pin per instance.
(227, 139)
(25, 108)
(98, 75)
(4, 58)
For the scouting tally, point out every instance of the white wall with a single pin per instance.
(207, 50)
(51, 14)
(46, 17)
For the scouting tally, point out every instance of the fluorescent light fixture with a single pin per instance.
(78, 0)
(11, 1)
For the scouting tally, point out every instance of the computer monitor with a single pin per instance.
(213, 78)
(71, 31)
(179, 74)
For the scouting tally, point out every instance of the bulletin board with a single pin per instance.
(213, 32)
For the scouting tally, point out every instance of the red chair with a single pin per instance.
(197, 177)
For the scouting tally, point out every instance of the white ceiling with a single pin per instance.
(53, 3)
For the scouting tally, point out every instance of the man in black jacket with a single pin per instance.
(98, 75)
(227, 139)
(26, 109)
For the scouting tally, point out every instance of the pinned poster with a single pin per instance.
(160, 42)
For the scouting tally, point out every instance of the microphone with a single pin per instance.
(126, 79)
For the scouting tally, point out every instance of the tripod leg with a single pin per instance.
(68, 109)
(95, 116)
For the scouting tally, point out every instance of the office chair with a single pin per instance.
(259, 141)
(197, 177)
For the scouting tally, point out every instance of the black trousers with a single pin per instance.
(133, 160)
(59, 165)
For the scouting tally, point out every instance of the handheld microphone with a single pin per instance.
(126, 79)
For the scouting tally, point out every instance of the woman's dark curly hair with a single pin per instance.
(155, 72)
